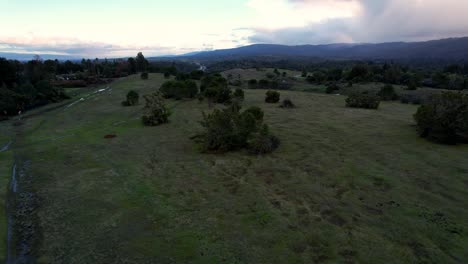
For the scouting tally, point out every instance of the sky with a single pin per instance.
(117, 28)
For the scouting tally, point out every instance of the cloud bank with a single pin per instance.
(374, 21)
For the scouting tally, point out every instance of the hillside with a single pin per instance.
(444, 49)
(346, 185)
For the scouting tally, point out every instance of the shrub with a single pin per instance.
(387, 93)
(179, 89)
(144, 76)
(444, 118)
(230, 129)
(132, 98)
(252, 84)
(287, 103)
(215, 88)
(155, 111)
(239, 94)
(262, 141)
(331, 88)
(272, 97)
(256, 112)
(367, 101)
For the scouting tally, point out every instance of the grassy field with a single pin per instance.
(345, 186)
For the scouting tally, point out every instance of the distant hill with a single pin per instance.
(445, 49)
(27, 57)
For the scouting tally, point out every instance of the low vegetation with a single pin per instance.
(272, 97)
(155, 110)
(363, 100)
(388, 93)
(444, 118)
(132, 99)
(230, 129)
(179, 89)
(287, 103)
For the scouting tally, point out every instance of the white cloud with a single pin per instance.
(375, 21)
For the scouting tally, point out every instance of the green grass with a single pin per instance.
(345, 185)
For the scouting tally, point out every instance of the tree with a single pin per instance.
(155, 111)
(444, 118)
(132, 98)
(141, 63)
(132, 66)
(387, 93)
(363, 100)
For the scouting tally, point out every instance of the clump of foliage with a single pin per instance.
(444, 118)
(287, 103)
(179, 89)
(132, 98)
(363, 100)
(387, 93)
(262, 141)
(155, 111)
(239, 94)
(252, 84)
(215, 88)
(331, 88)
(272, 97)
(144, 75)
(231, 129)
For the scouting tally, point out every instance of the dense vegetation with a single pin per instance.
(230, 129)
(444, 118)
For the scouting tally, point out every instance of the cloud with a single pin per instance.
(75, 47)
(373, 21)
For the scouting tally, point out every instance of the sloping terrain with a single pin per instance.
(346, 185)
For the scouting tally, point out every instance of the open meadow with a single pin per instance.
(345, 186)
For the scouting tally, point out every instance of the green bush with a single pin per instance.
(387, 93)
(331, 88)
(155, 111)
(252, 84)
(256, 112)
(272, 97)
(179, 89)
(444, 118)
(367, 101)
(287, 103)
(262, 141)
(132, 99)
(239, 94)
(215, 88)
(144, 76)
(230, 129)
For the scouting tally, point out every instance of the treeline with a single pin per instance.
(435, 74)
(25, 85)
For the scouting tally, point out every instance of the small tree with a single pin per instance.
(252, 84)
(239, 94)
(444, 118)
(132, 99)
(155, 111)
(272, 97)
(144, 75)
(387, 93)
(230, 129)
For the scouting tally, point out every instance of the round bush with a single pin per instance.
(144, 76)
(287, 103)
(272, 97)
(367, 101)
(444, 118)
(239, 94)
(155, 111)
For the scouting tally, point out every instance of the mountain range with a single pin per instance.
(444, 49)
